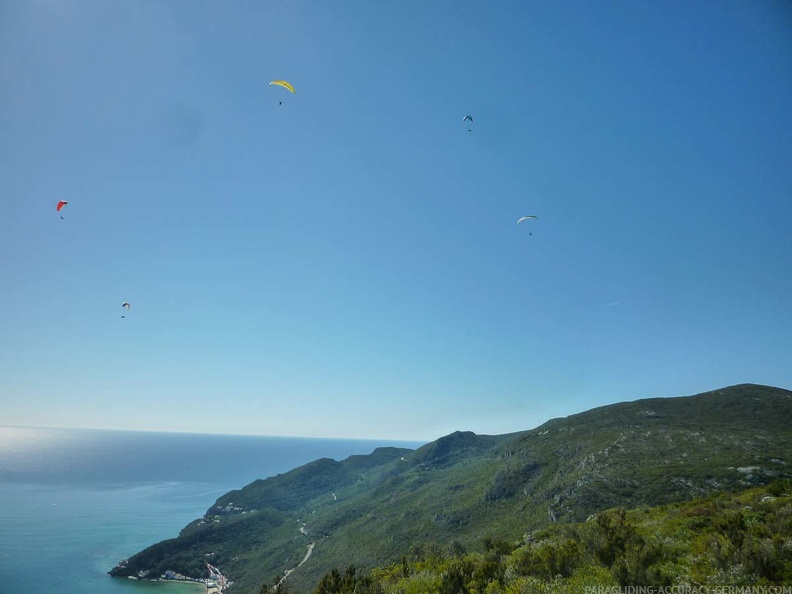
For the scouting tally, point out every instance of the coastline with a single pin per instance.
(216, 583)
(108, 510)
(162, 586)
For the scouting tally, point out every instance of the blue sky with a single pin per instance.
(348, 264)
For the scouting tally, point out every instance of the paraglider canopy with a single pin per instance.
(125, 305)
(468, 118)
(284, 84)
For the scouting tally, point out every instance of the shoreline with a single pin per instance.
(216, 583)
(214, 589)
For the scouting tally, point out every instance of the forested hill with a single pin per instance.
(464, 488)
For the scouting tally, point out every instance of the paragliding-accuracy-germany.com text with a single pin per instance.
(687, 589)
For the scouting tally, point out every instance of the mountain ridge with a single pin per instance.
(369, 510)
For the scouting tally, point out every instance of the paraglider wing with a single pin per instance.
(526, 218)
(125, 305)
(468, 118)
(284, 84)
(61, 204)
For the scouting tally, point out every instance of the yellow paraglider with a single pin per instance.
(284, 84)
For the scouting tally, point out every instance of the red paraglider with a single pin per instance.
(61, 204)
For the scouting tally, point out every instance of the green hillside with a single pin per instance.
(369, 511)
(720, 540)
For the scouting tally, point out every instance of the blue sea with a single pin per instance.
(73, 502)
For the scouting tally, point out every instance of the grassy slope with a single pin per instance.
(736, 540)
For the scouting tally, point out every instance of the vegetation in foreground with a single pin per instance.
(736, 540)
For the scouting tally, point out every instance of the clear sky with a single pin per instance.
(349, 263)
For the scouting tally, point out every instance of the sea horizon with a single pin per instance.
(222, 434)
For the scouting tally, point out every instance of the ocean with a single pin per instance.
(73, 502)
